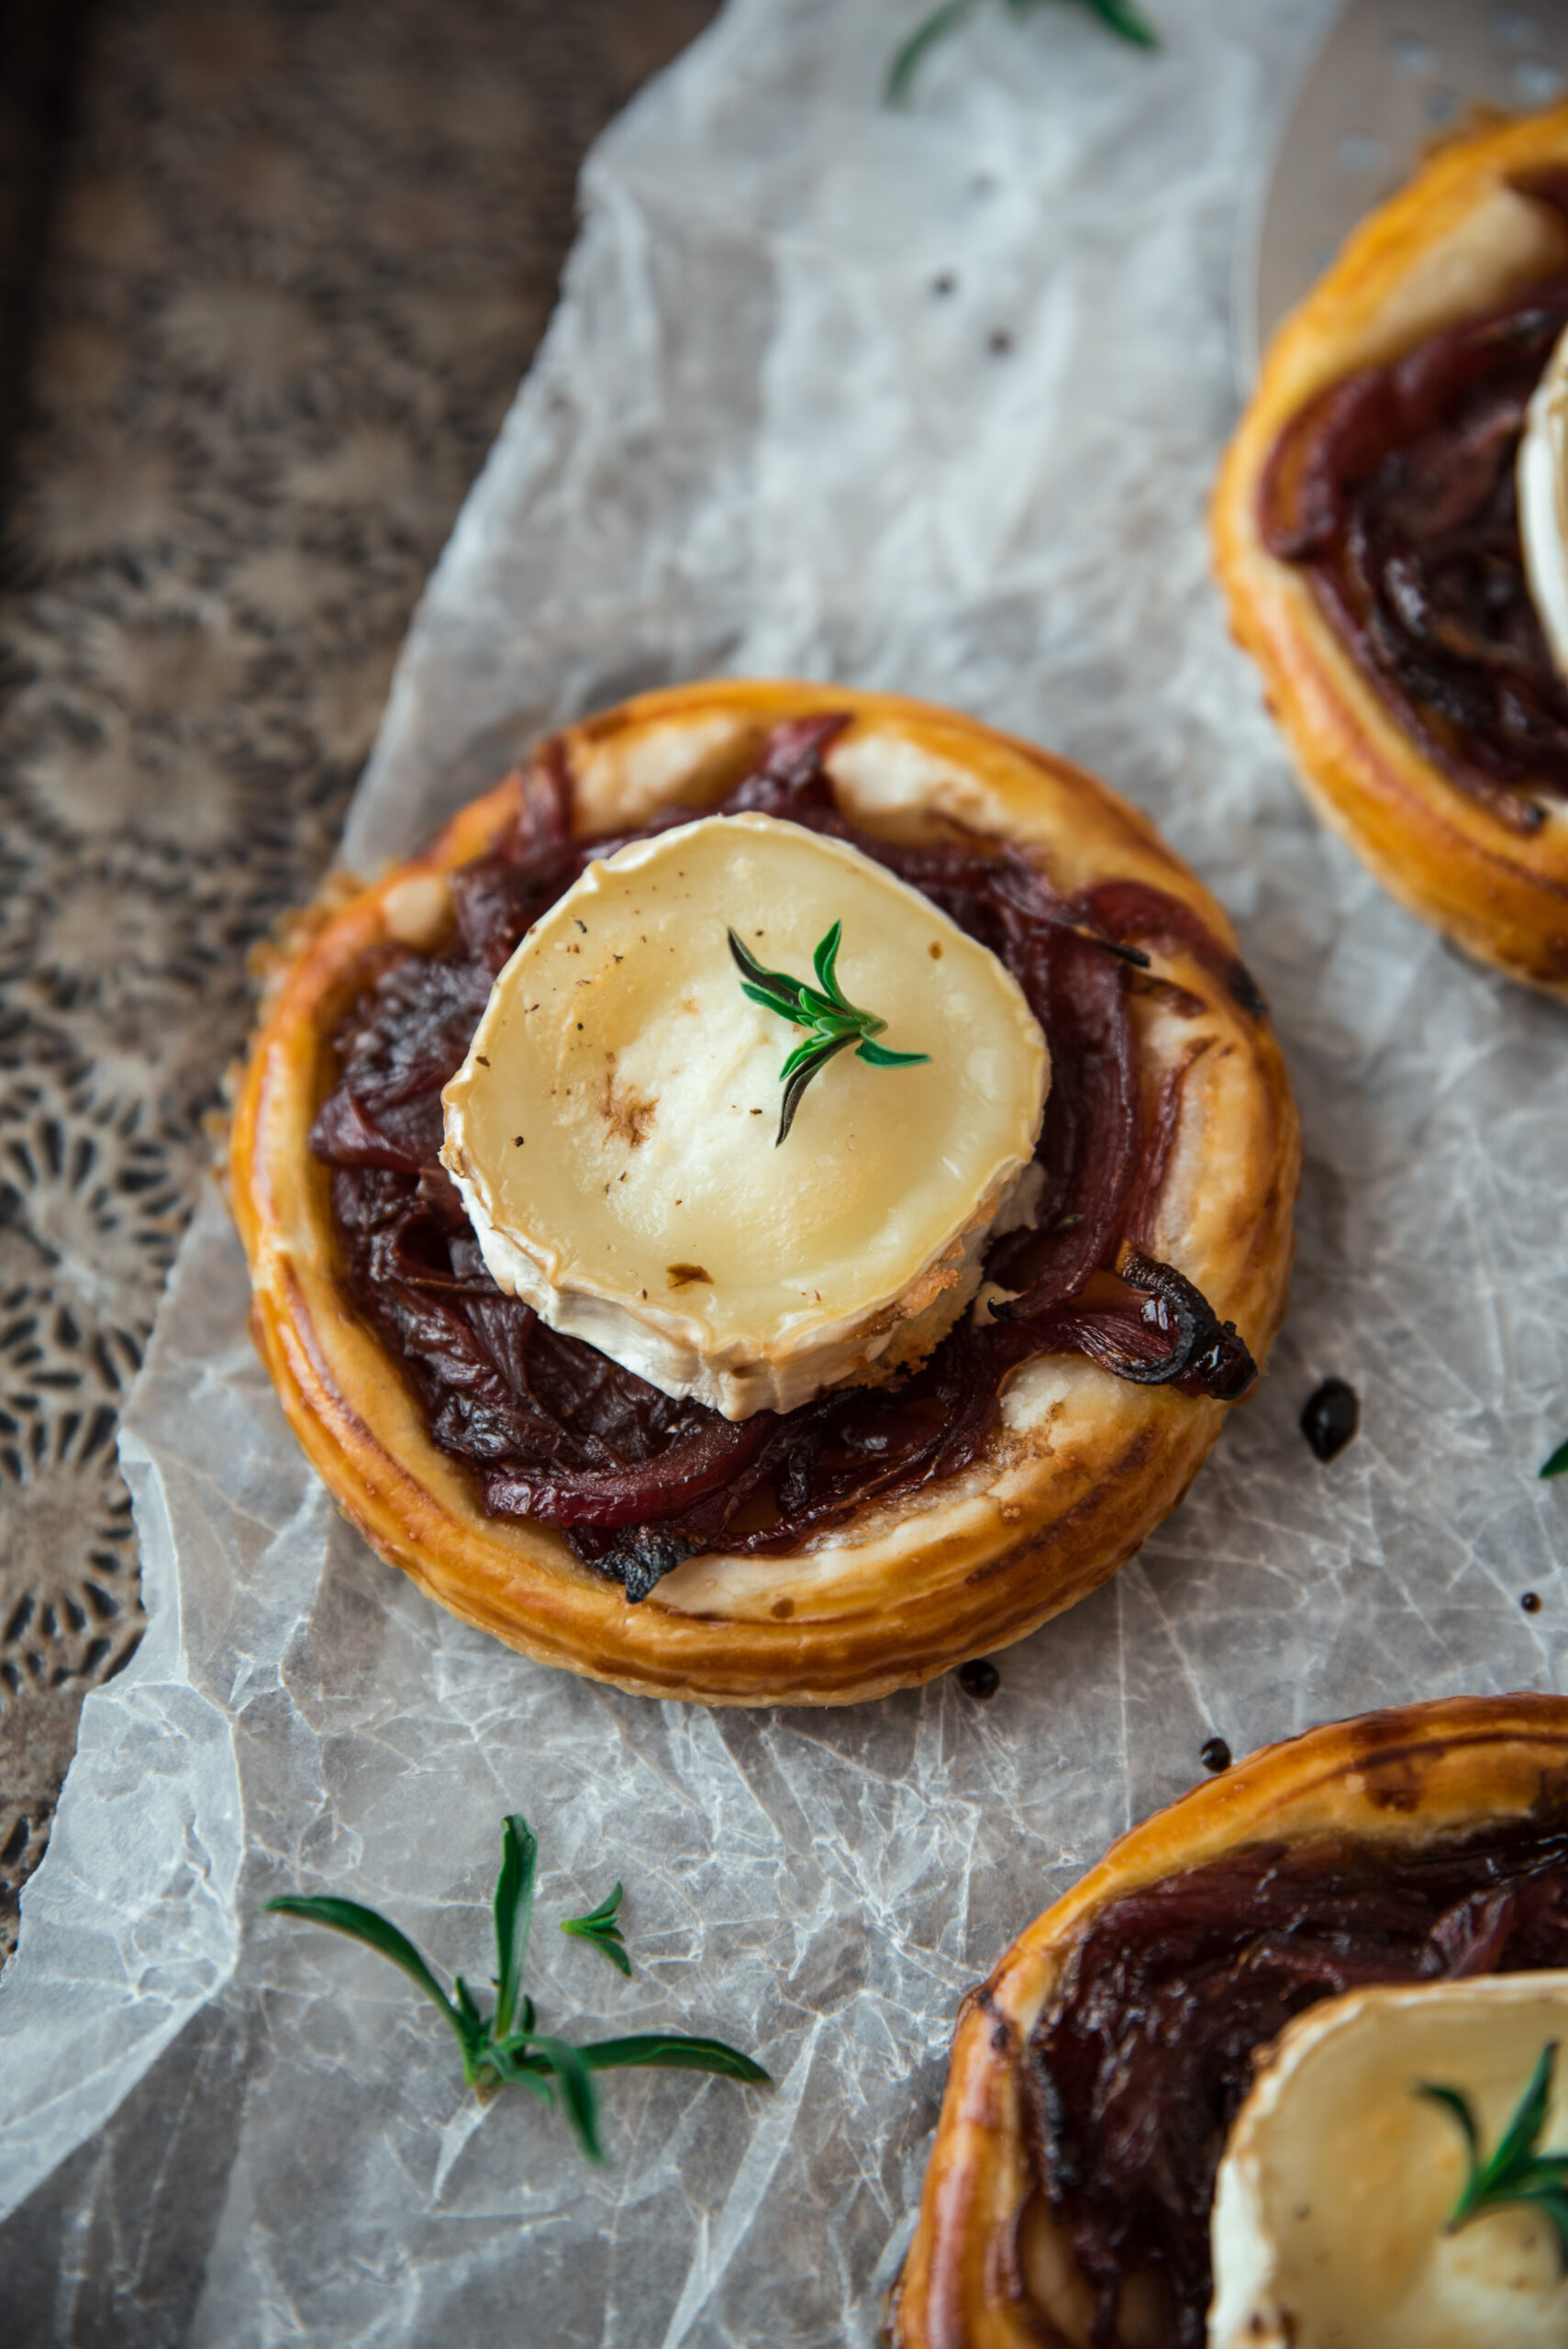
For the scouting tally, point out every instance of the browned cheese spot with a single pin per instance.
(679, 1275)
(626, 1114)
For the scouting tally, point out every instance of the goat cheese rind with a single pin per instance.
(1541, 476)
(611, 1130)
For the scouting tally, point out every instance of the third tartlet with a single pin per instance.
(1096, 2074)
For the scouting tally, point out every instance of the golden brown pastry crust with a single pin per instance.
(1398, 1777)
(1447, 247)
(1063, 1496)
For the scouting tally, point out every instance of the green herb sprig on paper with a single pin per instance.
(832, 1022)
(1558, 1463)
(1122, 16)
(601, 1927)
(506, 2046)
(1517, 2172)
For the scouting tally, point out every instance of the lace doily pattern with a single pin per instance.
(292, 276)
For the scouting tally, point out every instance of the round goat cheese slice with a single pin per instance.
(1541, 478)
(614, 1128)
(1340, 2175)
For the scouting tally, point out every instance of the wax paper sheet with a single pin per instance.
(928, 401)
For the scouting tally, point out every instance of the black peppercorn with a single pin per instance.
(1215, 1755)
(1330, 1419)
(979, 1678)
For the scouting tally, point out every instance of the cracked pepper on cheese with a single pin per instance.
(613, 1127)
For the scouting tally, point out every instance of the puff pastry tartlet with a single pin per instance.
(1366, 537)
(1015, 1473)
(1389, 1848)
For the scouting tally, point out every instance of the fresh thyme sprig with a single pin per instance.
(505, 2046)
(832, 1022)
(1517, 2172)
(1123, 17)
(600, 1927)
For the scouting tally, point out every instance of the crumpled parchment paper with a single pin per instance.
(930, 402)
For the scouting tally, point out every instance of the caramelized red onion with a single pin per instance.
(1394, 491)
(1140, 2063)
(1205, 1356)
(558, 1432)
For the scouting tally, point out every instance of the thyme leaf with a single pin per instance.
(505, 2049)
(1517, 2171)
(599, 1926)
(1558, 1463)
(1123, 17)
(513, 1910)
(365, 1925)
(671, 2055)
(909, 59)
(832, 1022)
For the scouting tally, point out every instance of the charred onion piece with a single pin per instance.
(1207, 1357)
(642, 1558)
(1206, 1347)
